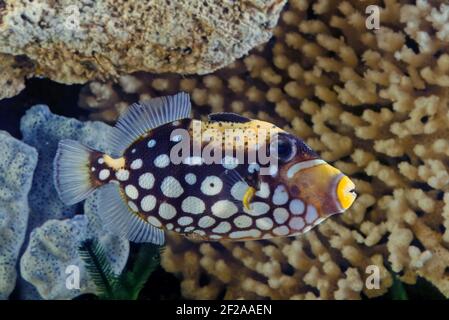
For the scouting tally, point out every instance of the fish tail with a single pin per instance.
(72, 175)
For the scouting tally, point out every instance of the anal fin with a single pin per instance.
(122, 221)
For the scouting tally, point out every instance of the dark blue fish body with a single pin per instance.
(170, 172)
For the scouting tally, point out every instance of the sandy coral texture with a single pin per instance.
(372, 102)
(76, 41)
(54, 231)
(17, 164)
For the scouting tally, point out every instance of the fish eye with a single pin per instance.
(285, 148)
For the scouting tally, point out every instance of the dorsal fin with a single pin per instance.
(142, 117)
(228, 117)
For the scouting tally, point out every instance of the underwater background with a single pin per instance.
(373, 102)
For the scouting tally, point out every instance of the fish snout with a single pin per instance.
(321, 185)
(345, 190)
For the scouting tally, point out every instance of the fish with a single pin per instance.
(225, 178)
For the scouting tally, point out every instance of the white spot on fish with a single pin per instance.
(257, 208)
(104, 174)
(281, 231)
(100, 160)
(229, 162)
(200, 232)
(211, 186)
(264, 190)
(154, 221)
(122, 175)
(193, 205)
(189, 229)
(311, 214)
(167, 211)
(253, 233)
(146, 181)
(151, 143)
(243, 221)
(253, 167)
(184, 221)
(297, 223)
(190, 178)
(206, 222)
(131, 192)
(264, 223)
(148, 203)
(169, 226)
(280, 215)
(273, 170)
(280, 195)
(171, 187)
(224, 209)
(176, 138)
(238, 190)
(222, 227)
(162, 161)
(296, 206)
(136, 164)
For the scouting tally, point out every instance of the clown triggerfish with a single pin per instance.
(227, 178)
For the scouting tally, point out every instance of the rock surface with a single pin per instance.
(17, 164)
(77, 41)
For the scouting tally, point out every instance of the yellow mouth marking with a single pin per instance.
(115, 164)
(248, 196)
(345, 192)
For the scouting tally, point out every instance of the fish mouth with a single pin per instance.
(319, 184)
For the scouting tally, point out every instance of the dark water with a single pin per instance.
(62, 100)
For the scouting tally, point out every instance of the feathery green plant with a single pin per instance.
(129, 283)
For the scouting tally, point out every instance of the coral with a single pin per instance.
(77, 41)
(17, 164)
(54, 247)
(372, 102)
(13, 71)
(43, 130)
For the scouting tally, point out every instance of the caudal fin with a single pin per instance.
(72, 176)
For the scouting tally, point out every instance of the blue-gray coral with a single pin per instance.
(17, 164)
(43, 130)
(53, 254)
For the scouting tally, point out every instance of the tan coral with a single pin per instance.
(13, 71)
(78, 41)
(376, 104)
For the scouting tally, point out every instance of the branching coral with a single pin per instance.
(78, 41)
(373, 102)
